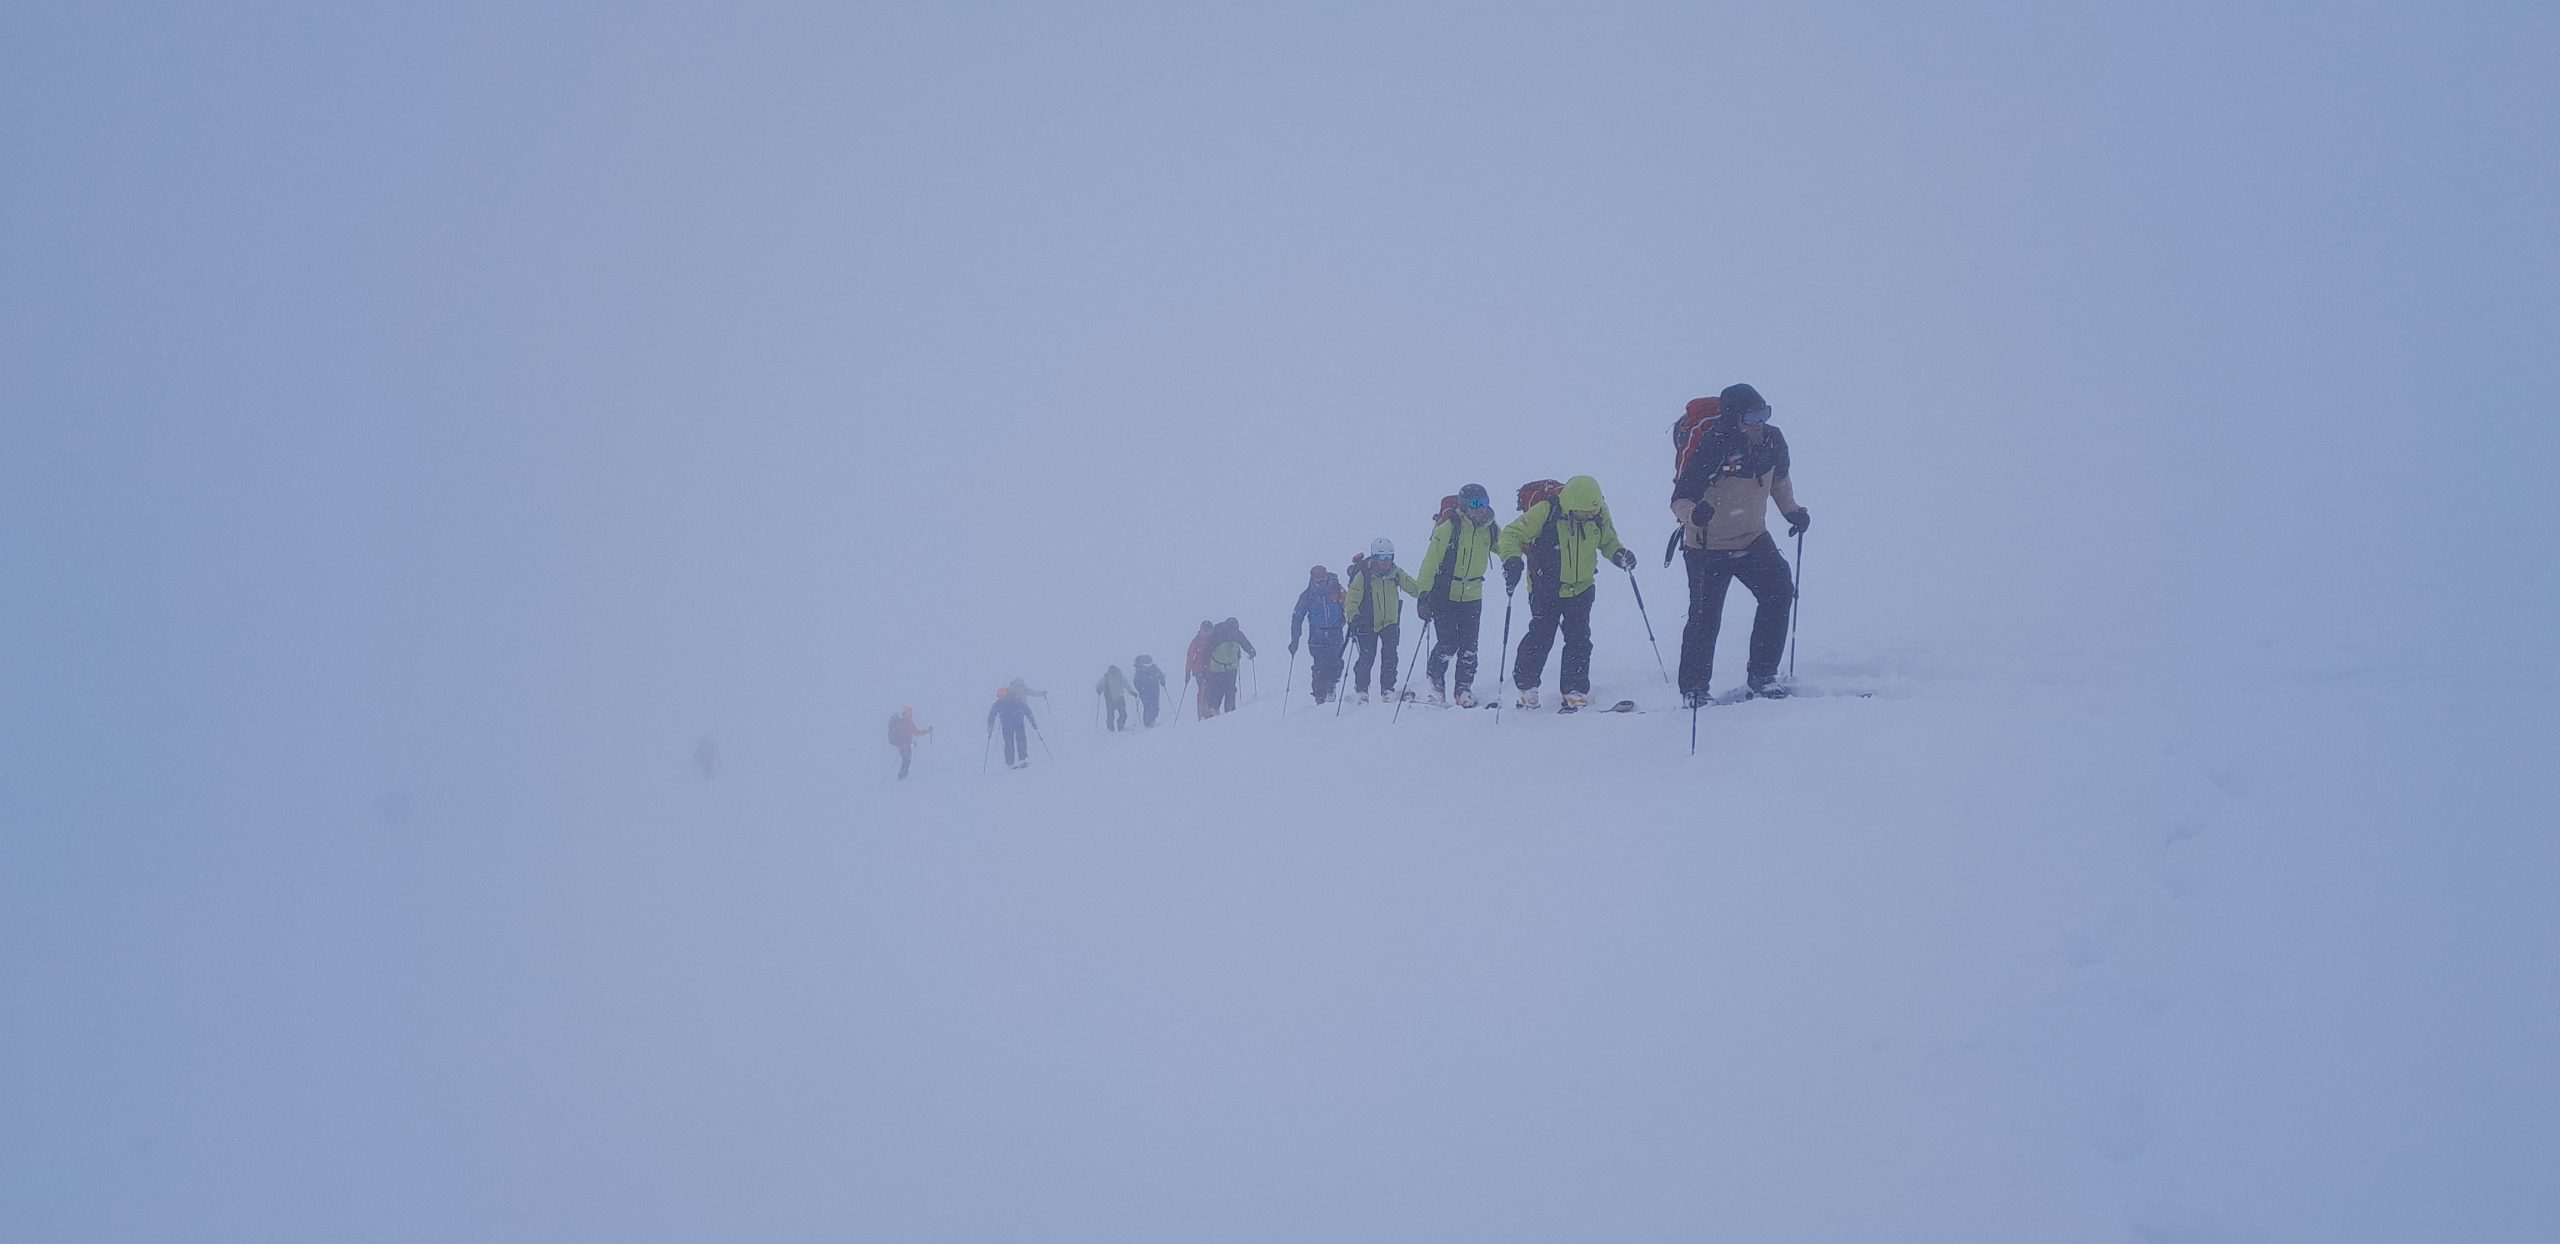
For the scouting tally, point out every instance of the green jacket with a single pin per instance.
(1375, 608)
(1114, 684)
(1225, 657)
(1582, 535)
(1466, 574)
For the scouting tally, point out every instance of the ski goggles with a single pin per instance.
(1756, 417)
(1477, 503)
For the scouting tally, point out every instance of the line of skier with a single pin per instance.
(1730, 465)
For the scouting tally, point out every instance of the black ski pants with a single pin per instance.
(1115, 713)
(1547, 615)
(1371, 643)
(1147, 706)
(1763, 570)
(1017, 743)
(1456, 623)
(906, 757)
(1222, 690)
(1324, 657)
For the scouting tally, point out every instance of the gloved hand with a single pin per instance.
(1293, 647)
(1422, 607)
(1511, 569)
(1798, 521)
(1624, 559)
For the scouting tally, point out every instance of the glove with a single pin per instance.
(1623, 559)
(1798, 521)
(1422, 608)
(1293, 647)
(1511, 568)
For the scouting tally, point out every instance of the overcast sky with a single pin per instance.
(462, 389)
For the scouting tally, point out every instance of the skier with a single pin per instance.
(1228, 649)
(1320, 611)
(1150, 684)
(1015, 710)
(1195, 666)
(1563, 531)
(902, 735)
(1461, 545)
(1732, 463)
(1114, 690)
(1376, 614)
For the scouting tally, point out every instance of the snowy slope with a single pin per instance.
(1972, 960)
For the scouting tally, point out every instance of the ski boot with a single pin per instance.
(1528, 699)
(1768, 688)
(1575, 701)
(1436, 699)
(1466, 698)
(1364, 698)
(1405, 696)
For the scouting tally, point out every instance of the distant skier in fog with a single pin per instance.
(1320, 612)
(1014, 712)
(1228, 649)
(1149, 682)
(1114, 690)
(903, 733)
(1452, 600)
(1195, 666)
(1376, 615)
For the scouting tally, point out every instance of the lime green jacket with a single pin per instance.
(1474, 549)
(1225, 657)
(1114, 685)
(1370, 602)
(1583, 534)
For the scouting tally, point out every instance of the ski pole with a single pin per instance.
(1255, 664)
(1342, 679)
(1289, 679)
(1185, 694)
(1044, 740)
(982, 751)
(1097, 712)
(1502, 670)
(1408, 671)
(1648, 626)
(1795, 605)
(1693, 726)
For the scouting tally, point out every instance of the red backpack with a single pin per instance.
(1538, 490)
(1690, 431)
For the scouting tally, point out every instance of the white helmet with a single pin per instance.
(1382, 547)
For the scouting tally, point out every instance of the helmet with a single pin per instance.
(1581, 495)
(1474, 495)
(1383, 547)
(1317, 572)
(1206, 624)
(908, 711)
(1228, 622)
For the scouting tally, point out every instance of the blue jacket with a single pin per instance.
(1014, 712)
(1320, 609)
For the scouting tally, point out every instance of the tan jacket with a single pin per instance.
(1749, 469)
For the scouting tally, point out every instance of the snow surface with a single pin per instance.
(1992, 958)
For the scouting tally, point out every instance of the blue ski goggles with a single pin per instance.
(1756, 417)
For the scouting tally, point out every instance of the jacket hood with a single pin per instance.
(1581, 494)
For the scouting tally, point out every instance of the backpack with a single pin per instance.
(1690, 431)
(1546, 551)
(897, 732)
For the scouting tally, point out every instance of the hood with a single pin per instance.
(1582, 495)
